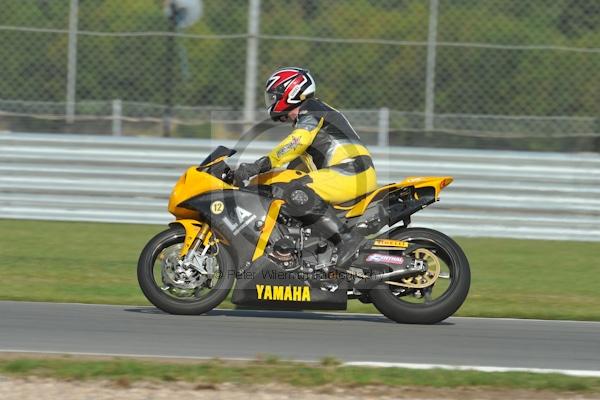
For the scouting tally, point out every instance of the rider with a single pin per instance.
(339, 166)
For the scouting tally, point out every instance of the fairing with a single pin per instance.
(242, 221)
(435, 182)
(193, 183)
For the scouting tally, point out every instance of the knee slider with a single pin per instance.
(302, 201)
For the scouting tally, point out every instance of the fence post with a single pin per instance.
(117, 112)
(169, 80)
(72, 61)
(430, 72)
(251, 61)
(383, 127)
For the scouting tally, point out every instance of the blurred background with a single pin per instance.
(105, 103)
(483, 74)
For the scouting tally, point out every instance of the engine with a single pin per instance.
(299, 250)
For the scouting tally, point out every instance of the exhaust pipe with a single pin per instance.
(408, 267)
(395, 274)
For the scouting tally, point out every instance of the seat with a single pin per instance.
(347, 205)
(437, 183)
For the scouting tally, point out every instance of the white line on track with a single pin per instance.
(571, 372)
(128, 355)
(373, 364)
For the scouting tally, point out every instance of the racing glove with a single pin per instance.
(245, 171)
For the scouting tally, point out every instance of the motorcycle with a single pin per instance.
(226, 236)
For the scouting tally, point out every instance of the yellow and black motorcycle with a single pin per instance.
(226, 236)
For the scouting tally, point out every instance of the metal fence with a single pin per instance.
(486, 73)
(128, 179)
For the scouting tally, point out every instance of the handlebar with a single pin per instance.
(228, 175)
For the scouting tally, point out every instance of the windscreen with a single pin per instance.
(217, 153)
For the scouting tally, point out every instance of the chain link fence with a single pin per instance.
(461, 73)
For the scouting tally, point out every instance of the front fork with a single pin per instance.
(196, 233)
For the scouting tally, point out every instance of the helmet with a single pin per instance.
(286, 89)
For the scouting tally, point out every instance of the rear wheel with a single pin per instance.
(176, 289)
(434, 295)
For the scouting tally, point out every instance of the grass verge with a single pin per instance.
(96, 263)
(274, 370)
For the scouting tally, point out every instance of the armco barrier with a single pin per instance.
(127, 179)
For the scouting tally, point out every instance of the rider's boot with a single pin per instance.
(304, 204)
(346, 239)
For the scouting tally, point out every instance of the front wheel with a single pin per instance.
(433, 296)
(176, 289)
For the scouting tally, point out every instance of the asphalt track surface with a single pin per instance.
(306, 336)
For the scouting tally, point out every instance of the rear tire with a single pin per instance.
(448, 303)
(159, 298)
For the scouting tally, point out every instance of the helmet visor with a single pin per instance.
(270, 99)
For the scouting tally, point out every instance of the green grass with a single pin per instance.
(95, 263)
(273, 370)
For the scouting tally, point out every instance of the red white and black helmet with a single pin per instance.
(286, 89)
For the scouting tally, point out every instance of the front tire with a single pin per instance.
(395, 306)
(147, 280)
